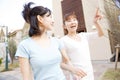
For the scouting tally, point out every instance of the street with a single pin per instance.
(99, 68)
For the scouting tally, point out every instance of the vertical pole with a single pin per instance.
(116, 58)
(6, 62)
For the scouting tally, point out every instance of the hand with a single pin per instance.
(97, 16)
(78, 72)
(75, 77)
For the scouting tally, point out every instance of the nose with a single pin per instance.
(52, 21)
(73, 22)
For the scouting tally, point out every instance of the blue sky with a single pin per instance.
(10, 12)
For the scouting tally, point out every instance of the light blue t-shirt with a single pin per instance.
(45, 62)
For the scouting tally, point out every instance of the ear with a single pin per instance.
(64, 26)
(40, 19)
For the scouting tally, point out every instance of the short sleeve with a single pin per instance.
(22, 51)
(90, 35)
(60, 44)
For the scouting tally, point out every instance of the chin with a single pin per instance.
(50, 29)
(74, 29)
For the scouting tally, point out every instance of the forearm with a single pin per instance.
(96, 19)
(66, 63)
(98, 27)
(73, 69)
(67, 67)
(27, 74)
(25, 68)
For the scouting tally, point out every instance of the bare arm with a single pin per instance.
(25, 68)
(65, 57)
(67, 65)
(96, 19)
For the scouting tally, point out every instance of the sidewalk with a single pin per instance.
(11, 75)
(99, 68)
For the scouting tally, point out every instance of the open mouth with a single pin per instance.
(72, 26)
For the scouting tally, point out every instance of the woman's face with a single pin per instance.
(71, 24)
(47, 22)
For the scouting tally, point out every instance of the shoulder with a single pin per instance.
(63, 38)
(82, 33)
(24, 42)
(55, 40)
(88, 34)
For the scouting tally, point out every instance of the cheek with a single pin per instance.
(67, 28)
(48, 21)
(76, 22)
(67, 23)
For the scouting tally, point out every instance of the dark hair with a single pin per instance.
(67, 17)
(30, 16)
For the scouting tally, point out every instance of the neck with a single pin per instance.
(42, 36)
(72, 34)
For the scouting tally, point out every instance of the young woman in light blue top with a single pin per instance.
(40, 53)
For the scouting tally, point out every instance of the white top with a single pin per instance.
(78, 52)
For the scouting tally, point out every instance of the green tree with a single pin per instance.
(1, 61)
(12, 49)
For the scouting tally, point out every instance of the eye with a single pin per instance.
(74, 19)
(68, 20)
(47, 15)
(50, 16)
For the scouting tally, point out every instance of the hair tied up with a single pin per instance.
(26, 12)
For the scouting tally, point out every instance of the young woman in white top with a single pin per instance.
(76, 45)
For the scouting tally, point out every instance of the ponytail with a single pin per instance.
(26, 12)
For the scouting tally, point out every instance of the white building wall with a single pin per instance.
(100, 47)
(57, 14)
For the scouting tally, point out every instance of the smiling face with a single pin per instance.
(71, 23)
(46, 22)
